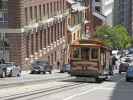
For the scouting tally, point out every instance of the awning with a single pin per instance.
(100, 16)
(78, 7)
(71, 1)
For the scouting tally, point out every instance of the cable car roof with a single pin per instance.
(90, 43)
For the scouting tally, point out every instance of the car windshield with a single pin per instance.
(130, 67)
(8, 65)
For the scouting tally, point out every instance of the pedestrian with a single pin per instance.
(18, 71)
(114, 59)
(2, 61)
(58, 65)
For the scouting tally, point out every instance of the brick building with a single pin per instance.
(36, 30)
(43, 29)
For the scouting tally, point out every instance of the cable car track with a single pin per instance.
(43, 92)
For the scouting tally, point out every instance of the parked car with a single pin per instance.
(130, 51)
(2, 70)
(129, 74)
(65, 68)
(123, 67)
(41, 66)
(9, 70)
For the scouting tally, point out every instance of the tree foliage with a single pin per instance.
(115, 37)
(0, 4)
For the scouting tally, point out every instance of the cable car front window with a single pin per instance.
(94, 53)
(76, 53)
(81, 53)
(85, 53)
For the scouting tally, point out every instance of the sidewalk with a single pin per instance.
(28, 71)
(27, 78)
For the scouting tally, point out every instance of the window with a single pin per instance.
(81, 53)
(51, 11)
(85, 53)
(40, 12)
(48, 36)
(44, 38)
(64, 28)
(57, 6)
(27, 46)
(52, 59)
(52, 32)
(37, 46)
(32, 44)
(43, 9)
(48, 9)
(94, 53)
(54, 8)
(41, 40)
(63, 4)
(55, 31)
(74, 36)
(48, 58)
(76, 53)
(98, 9)
(61, 27)
(35, 13)
(55, 56)
(31, 14)
(58, 31)
(97, 0)
(26, 16)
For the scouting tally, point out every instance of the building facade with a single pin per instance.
(43, 29)
(36, 29)
(123, 12)
(103, 9)
(4, 50)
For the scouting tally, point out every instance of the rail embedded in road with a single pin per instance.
(44, 92)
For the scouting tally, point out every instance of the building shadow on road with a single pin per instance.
(123, 90)
(80, 80)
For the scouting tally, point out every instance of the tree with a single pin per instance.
(115, 37)
(0, 4)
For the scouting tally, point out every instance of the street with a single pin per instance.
(60, 86)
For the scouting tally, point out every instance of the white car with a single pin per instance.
(9, 69)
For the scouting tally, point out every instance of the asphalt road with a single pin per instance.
(70, 89)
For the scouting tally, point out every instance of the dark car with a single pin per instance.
(41, 66)
(130, 51)
(2, 70)
(9, 69)
(129, 74)
(123, 67)
(65, 68)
